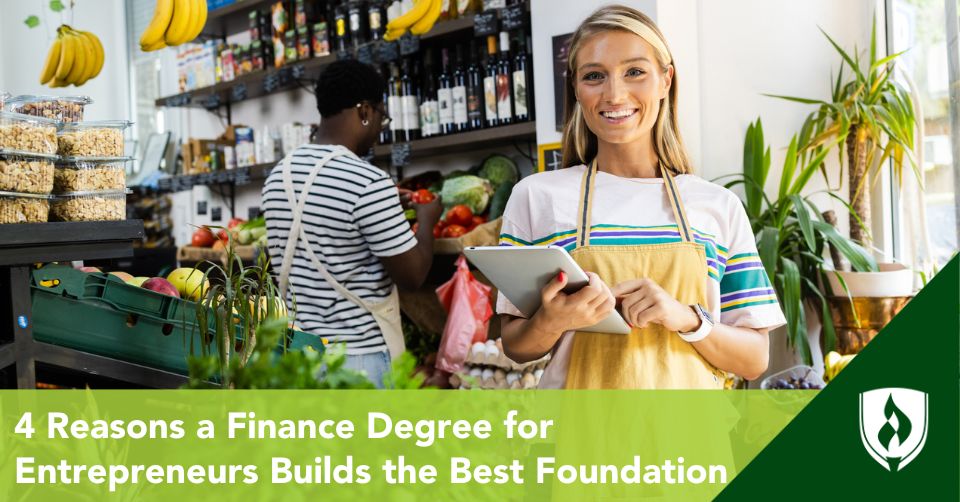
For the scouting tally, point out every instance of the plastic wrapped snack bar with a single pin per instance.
(92, 139)
(26, 133)
(26, 172)
(85, 174)
(89, 206)
(23, 207)
(60, 108)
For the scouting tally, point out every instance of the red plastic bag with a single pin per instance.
(467, 302)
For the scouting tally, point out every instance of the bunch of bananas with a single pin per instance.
(833, 363)
(419, 20)
(75, 57)
(174, 22)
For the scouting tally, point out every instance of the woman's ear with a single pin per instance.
(667, 82)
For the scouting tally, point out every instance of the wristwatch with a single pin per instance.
(706, 325)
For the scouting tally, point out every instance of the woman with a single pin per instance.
(673, 252)
(351, 245)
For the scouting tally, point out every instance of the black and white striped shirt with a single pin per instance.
(352, 216)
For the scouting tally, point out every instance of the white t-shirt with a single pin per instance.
(542, 210)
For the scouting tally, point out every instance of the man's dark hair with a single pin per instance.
(345, 83)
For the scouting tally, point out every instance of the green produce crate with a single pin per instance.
(100, 314)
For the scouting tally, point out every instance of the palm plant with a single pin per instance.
(792, 236)
(872, 116)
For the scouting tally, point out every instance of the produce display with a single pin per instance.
(795, 378)
(488, 368)
(59, 108)
(239, 231)
(92, 139)
(419, 19)
(75, 57)
(90, 174)
(174, 22)
(834, 363)
(23, 207)
(89, 206)
(28, 134)
(26, 173)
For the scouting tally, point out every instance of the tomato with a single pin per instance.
(453, 231)
(235, 221)
(460, 215)
(479, 220)
(203, 238)
(223, 235)
(422, 196)
(438, 230)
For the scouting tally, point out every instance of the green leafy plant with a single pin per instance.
(871, 116)
(792, 236)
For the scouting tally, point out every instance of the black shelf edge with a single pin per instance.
(116, 369)
(23, 243)
(239, 176)
(474, 140)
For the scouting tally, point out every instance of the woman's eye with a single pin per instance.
(593, 76)
(635, 72)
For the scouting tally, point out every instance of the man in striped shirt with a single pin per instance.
(353, 218)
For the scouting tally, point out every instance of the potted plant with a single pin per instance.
(792, 237)
(872, 119)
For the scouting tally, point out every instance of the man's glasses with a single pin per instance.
(386, 120)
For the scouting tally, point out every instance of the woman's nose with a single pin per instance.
(614, 90)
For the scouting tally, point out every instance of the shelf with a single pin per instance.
(459, 142)
(252, 85)
(238, 176)
(45, 242)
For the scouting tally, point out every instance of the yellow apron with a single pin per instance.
(652, 357)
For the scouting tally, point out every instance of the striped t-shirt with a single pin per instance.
(352, 217)
(542, 210)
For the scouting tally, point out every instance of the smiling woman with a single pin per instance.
(673, 252)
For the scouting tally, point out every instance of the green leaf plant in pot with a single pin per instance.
(792, 238)
(871, 121)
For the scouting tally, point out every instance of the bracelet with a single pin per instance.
(697, 335)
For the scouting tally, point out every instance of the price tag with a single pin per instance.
(298, 71)
(284, 77)
(179, 100)
(241, 176)
(485, 23)
(239, 92)
(409, 44)
(514, 17)
(211, 102)
(365, 54)
(388, 51)
(271, 82)
(399, 154)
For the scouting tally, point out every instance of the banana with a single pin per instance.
(79, 58)
(58, 83)
(91, 57)
(67, 50)
(53, 60)
(155, 47)
(428, 20)
(200, 14)
(100, 54)
(412, 16)
(180, 24)
(162, 15)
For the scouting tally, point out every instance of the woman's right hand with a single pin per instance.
(561, 312)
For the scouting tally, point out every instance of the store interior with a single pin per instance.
(204, 122)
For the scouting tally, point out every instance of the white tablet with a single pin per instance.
(521, 272)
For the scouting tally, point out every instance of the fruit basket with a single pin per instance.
(123, 321)
(789, 378)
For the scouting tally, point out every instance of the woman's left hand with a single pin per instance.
(643, 301)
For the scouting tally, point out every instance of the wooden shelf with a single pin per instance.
(472, 140)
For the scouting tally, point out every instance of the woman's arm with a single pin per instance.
(743, 351)
(529, 339)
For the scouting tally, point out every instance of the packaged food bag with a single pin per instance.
(467, 302)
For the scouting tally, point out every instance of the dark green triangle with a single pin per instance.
(819, 455)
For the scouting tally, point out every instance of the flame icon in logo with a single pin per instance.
(893, 431)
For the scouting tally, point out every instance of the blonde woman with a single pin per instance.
(673, 252)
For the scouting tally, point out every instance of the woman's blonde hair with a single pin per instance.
(579, 142)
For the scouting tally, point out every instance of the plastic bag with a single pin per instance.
(467, 302)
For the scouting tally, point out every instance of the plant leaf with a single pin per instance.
(806, 101)
(56, 5)
(768, 247)
(860, 260)
(789, 166)
(803, 218)
(793, 308)
(32, 21)
(853, 65)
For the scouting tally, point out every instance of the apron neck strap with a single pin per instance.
(584, 212)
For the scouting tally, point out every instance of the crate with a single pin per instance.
(100, 314)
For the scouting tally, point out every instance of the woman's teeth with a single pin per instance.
(618, 114)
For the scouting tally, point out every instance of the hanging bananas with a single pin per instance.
(74, 58)
(174, 22)
(419, 20)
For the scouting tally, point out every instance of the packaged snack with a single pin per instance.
(27, 133)
(23, 207)
(60, 108)
(89, 206)
(84, 174)
(321, 40)
(92, 139)
(26, 172)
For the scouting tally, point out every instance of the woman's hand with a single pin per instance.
(562, 312)
(643, 301)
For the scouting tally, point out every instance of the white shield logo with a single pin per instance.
(893, 425)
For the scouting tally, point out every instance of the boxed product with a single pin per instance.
(27, 133)
(245, 149)
(80, 174)
(18, 207)
(92, 139)
(60, 108)
(89, 206)
(26, 172)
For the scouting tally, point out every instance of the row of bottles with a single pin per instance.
(484, 87)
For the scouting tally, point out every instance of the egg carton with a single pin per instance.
(487, 378)
(491, 353)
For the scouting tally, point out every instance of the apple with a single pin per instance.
(125, 277)
(189, 282)
(137, 281)
(203, 238)
(162, 286)
(90, 269)
(220, 245)
(279, 308)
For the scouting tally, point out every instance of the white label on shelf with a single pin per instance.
(460, 104)
(445, 103)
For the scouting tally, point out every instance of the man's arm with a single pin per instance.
(410, 268)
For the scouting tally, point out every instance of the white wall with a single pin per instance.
(23, 51)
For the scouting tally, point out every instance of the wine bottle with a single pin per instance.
(490, 84)
(522, 100)
(429, 106)
(445, 94)
(409, 103)
(342, 23)
(460, 118)
(386, 135)
(504, 84)
(358, 17)
(475, 99)
(376, 19)
(395, 105)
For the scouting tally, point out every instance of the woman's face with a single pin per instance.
(619, 85)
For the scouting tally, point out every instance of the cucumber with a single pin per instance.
(499, 200)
